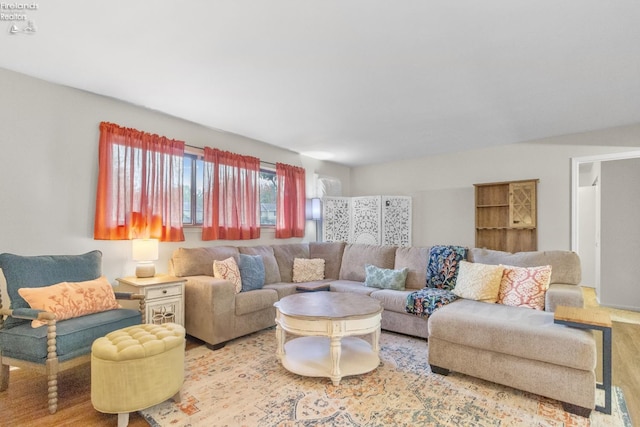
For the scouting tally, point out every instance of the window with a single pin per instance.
(267, 198)
(193, 190)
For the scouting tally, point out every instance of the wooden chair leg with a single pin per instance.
(52, 390)
(52, 367)
(4, 376)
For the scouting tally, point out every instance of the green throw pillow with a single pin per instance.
(385, 278)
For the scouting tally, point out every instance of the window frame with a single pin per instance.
(271, 171)
(195, 156)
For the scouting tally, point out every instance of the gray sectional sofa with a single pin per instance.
(514, 346)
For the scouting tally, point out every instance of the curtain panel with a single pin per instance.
(139, 192)
(231, 196)
(290, 202)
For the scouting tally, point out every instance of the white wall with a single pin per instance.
(620, 234)
(442, 185)
(48, 169)
(48, 173)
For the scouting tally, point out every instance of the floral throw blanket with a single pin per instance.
(427, 300)
(442, 272)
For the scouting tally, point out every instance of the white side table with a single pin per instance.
(164, 297)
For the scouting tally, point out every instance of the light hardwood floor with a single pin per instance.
(25, 403)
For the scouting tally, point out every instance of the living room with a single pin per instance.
(50, 165)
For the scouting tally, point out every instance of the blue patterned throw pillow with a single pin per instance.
(442, 269)
(385, 278)
(252, 272)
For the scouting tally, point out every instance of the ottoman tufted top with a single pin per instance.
(138, 342)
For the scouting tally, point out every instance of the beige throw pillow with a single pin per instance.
(308, 270)
(480, 282)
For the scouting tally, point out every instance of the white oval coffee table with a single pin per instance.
(330, 328)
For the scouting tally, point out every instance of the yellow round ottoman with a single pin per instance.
(137, 367)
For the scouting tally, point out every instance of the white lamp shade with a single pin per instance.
(316, 209)
(145, 249)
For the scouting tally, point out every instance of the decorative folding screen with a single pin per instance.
(336, 219)
(375, 220)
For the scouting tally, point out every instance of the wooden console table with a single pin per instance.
(584, 318)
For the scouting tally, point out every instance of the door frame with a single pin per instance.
(575, 183)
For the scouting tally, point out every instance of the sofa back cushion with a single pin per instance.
(199, 261)
(357, 256)
(331, 253)
(285, 254)
(271, 270)
(415, 259)
(565, 265)
(45, 270)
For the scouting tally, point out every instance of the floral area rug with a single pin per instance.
(244, 384)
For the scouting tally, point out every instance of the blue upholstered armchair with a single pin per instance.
(58, 345)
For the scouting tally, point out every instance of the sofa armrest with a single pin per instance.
(562, 294)
(209, 308)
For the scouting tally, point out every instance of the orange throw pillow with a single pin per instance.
(71, 299)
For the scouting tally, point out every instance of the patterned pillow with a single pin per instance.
(228, 269)
(524, 286)
(480, 282)
(308, 270)
(251, 272)
(442, 268)
(385, 278)
(71, 299)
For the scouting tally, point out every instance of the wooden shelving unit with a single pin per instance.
(506, 215)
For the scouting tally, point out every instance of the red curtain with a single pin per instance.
(139, 186)
(231, 196)
(290, 203)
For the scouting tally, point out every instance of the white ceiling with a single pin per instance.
(367, 80)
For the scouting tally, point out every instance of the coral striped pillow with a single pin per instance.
(524, 286)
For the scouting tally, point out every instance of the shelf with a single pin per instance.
(506, 215)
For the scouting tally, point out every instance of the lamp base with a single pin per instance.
(146, 269)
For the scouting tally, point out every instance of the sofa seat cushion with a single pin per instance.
(252, 301)
(521, 332)
(351, 286)
(392, 300)
(283, 288)
(74, 337)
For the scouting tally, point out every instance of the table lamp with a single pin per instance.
(145, 251)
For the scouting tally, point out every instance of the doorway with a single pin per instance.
(597, 210)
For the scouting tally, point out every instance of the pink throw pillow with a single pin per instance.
(524, 286)
(71, 299)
